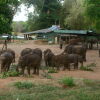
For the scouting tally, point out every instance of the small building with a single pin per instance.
(47, 33)
(55, 33)
(66, 35)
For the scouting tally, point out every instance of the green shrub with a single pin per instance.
(13, 67)
(67, 81)
(85, 68)
(92, 65)
(23, 85)
(46, 75)
(44, 68)
(52, 70)
(9, 74)
(89, 82)
(88, 67)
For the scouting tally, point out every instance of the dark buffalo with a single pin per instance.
(48, 57)
(30, 61)
(80, 50)
(10, 51)
(37, 51)
(65, 60)
(75, 41)
(26, 51)
(6, 59)
(73, 58)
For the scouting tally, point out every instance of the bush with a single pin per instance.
(85, 68)
(9, 74)
(52, 70)
(13, 67)
(88, 67)
(89, 82)
(67, 81)
(23, 85)
(91, 65)
(46, 75)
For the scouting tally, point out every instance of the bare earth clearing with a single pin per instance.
(92, 57)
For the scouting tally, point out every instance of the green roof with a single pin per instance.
(71, 31)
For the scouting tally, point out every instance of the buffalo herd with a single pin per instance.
(32, 58)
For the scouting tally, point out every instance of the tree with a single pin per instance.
(46, 13)
(65, 11)
(93, 13)
(19, 26)
(7, 10)
(76, 16)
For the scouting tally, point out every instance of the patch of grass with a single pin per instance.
(88, 67)
(23, 85)
(13, 67)
(50, 92)
(85, 68)
(46, 75)
(9, 74)
(67, 81)
(44, 68)
(52, 70)
(88, 82)
(92, 65)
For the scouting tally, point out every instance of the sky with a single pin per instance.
(22, 15)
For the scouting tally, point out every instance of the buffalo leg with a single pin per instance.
(34, 70)
(76, 66)
(28, 70)
(2, 67)
(22, 71)
(37, 71)
(65, 66)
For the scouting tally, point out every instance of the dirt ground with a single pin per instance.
(92, 57)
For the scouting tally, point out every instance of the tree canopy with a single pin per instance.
(7, 10)
(93, 13)
(72, 14)
(81, 14)
(46, 13)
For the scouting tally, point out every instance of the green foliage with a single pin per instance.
(47, 13)
(67, 81)
(85, 68)
(74, 18)
(50, 92)
(19, 27)
(23, 85)
(89, 82)
(93, 13)
(92, 65)
(81, 14)
(9, 74)
(47, 75)
(52, 70)
(88, 67)
(7, 11)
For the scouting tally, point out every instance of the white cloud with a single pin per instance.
(22, 16)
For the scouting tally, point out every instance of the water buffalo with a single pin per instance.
(58, 61)
(6, 59)
(73, 58)
(29, 61)
(80, 50)
(26, 51)
(47, 57)
(10, 51)
(75, 41)
(37, 51)
(65, 60)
